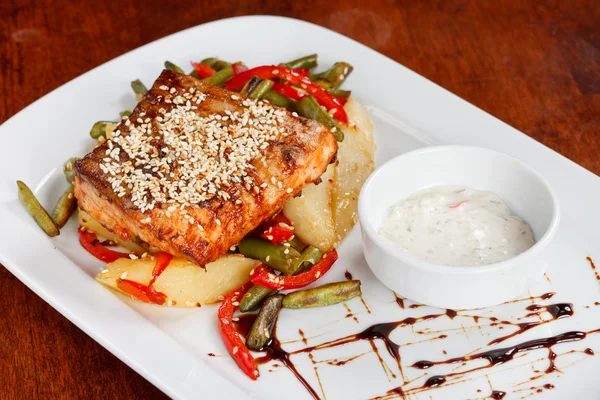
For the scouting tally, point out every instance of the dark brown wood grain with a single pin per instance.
(532, 64)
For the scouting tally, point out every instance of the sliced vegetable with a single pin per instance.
(256, 294)
(100, 128)
(289, 91)
(173, 67)
(135, 290)
(221, 76)
(261, 89)
(239, 68)
(321, 296)
(210, 61)
(69, 169)
(220, 64)
(263, 276)
(139, 89)
(307, 62)
(64, 207)
(309, 108)
(234, 344)
(278, 257)
(90, 242)
(203, 70)
(250, 85)
(261, 332)
(295, 78)
(254, 297)
(335, 76)
(162, 261)
(278, 229)
(280, 100)
(339, 93)
(35, 209)
(125, 113)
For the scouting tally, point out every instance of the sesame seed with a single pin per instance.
(104, 271)
(289, 190)
(123, 275)
(133, 256)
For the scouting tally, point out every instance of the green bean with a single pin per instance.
(69, 169)
(250, 85)
(306, 62)
(194, 74)
(211, 61)
(254, 297)
(125, 113)
(35, 209)
(309, 108)
(276, 256)
(261, 332)
(221, 76)
(279, 100)
(309, 257)
(321, 296)
(220, 64)
(173, 67)
(336, 75)
(296, 243)
(64, 207)
(139, 89)
(339, 92)
(99, 129)
(261, 89)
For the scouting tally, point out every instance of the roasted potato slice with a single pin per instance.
(184, 283)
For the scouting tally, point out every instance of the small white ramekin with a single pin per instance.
(525, 191)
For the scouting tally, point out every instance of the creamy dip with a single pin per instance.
(457, 226)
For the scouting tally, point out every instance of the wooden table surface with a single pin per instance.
(532, 64)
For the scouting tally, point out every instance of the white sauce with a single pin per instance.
(457, 226)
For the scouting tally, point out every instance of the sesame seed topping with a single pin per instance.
(123, 275)
(200, 156)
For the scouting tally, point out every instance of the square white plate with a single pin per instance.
(170, 347)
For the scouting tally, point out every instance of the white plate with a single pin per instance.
(169, 347)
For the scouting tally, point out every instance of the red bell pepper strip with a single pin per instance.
(141, 292)
(288, 91)
(238, 68)
(134, 289)
(302, 71)
(323, 97)
(264, 276)
(203, 70)
(341, 100)
(89, 241)
(162, 262)
(278, 233)
(234, 344)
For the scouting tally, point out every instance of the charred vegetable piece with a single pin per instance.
(69, 169)
(261, 275)
(255, 296)
(99, 129)
(335, 76)
(236, 348)
(64, 207)
(280, 100)
(139, 89)
(278, 257)
(250, 85)
(261, 89)
(321, 296)
(222, 75)
(35, 209)
(173, 67)
(309, 108)
(306, 62)
(262, 329)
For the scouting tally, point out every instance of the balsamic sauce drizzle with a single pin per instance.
(593, 267)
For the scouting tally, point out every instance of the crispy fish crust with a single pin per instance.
(288, 164)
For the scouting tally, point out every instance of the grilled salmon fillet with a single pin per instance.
(195, 167)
